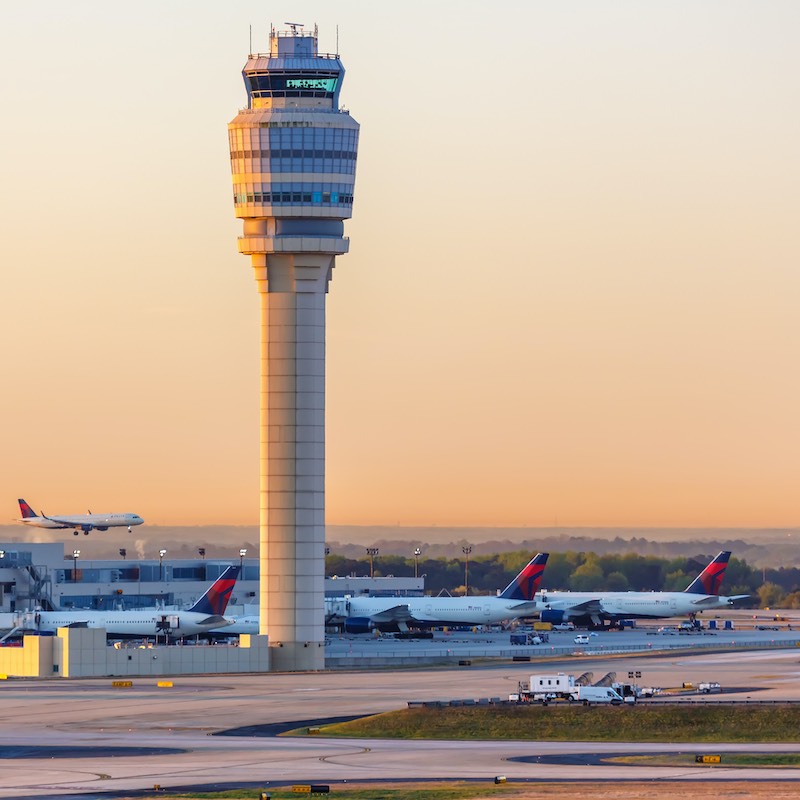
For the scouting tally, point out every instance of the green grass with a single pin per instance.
(428, 791)
(642, 723)
(728, 760)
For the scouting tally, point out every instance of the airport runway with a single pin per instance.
(38, 718)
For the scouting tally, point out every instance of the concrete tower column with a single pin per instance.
(292, 456)
(293, 159)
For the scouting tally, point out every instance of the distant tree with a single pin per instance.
(392, 565)
(676, 581)
(616, 582)
(644, 573)
(588, 576)
(738, 573)
(770, 594)
(786, 577)
(557, 572)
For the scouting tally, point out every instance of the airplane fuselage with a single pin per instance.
(144, 622)
(245, 624)
(629, 605)
(86, 522)
(430, 612)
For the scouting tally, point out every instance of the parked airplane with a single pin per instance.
(596, 608)
(249, 623)
(363, 614)
(81, 522)
(206, 614)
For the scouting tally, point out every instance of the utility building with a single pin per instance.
(293, 159)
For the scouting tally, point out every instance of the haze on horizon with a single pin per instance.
(571, 296)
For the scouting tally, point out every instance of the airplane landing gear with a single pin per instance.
(74, 533)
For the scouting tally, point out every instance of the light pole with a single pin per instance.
(242, 554)
(466, 550)
(417, 553)
(75, 556)
(372, 552)
(161, 554)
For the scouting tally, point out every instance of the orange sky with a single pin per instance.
(572, 289)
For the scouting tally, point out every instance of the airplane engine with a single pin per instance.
(358, 625)
(86, 528)
(551, 615)
(102, 528)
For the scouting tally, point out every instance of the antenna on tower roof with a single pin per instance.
(294, 26)
(250, 51)
(337, 41)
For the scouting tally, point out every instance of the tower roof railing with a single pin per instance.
(295, 109)
(329, 56)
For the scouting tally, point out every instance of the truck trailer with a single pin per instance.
(548, 688)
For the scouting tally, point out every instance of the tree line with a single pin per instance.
(581, 572)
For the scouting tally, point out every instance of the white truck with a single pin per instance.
(546, 688)
(597, 694)
(707, 687)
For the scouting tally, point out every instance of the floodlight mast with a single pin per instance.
(293, 159)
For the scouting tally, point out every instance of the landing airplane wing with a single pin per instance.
(65, 523)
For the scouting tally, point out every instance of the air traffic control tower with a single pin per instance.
(293, 158)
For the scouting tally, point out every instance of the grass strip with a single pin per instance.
(706, 723)
(403, 791)
(728, 760)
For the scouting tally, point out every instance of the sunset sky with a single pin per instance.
(572, 295)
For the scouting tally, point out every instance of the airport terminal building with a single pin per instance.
(56, 576)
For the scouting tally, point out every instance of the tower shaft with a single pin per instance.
(292, 456)
(293, 157)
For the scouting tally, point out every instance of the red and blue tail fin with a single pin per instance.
(526, 584)
(215, 600)
(26, 511)
(710, 579)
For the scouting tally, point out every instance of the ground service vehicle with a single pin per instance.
(548, 688)
(596, 694)
(529, 638)
(709, 686)
(629, 692)
(543, 688)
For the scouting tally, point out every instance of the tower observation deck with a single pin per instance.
(293, 159)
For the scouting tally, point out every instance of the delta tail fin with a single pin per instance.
(526, 584)
(215, 600)
(26, 511)
(710, 579)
